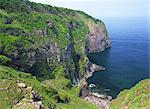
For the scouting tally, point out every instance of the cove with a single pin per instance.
(127, 61)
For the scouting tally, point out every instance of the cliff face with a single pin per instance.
(38, 38)
(51, 43)
(97, 39)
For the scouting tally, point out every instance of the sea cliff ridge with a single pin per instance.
(50, 44)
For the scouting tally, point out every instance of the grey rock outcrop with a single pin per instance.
(97, 38)
(92, 68)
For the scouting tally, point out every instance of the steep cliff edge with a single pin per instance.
(37, 38)
(97, 39)
(49, 42)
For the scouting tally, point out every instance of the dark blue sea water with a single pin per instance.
(127, 61)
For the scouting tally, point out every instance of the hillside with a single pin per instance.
(22, 90)
(43, 55)
(38, 38)
(43, 58)
(137, 97)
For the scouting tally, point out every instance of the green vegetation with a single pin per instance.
(10, 92)
(4, 59)
(137, 97)
(25, 29)
(34, 38)
(50, 90)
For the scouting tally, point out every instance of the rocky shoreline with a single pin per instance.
(101, 101)
(93, 68)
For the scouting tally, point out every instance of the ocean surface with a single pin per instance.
(127, 61)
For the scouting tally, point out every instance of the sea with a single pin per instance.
(128, 61)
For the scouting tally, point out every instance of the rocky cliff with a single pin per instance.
(49, 42)
(97, 39)
(37, 38)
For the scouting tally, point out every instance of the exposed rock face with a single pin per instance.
(22, 85)
(48, 42)
(28, 104)
(37, 42)
(31, 100)
(99, 102)
(84, 88)
(97, 39)
(93, 68)
(38, 61)
(71, 59)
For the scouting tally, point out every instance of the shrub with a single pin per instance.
(4, 59)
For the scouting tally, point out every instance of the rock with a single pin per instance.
(29, 105)
(31, 100)
(36, 105)
(39, 102)
(22, 85)
(36, 96)
(49, 23)
(29, 88)
(97, 39)
(98, 102)
(93, 68)
(83, 83)
(84, 92)
(109, 98)
(98, 95)
(70, 25)
(38, 32)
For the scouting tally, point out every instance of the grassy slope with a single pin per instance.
(10, 93)
(137, 97)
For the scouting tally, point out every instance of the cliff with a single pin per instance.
(50, 43)
(37, 38)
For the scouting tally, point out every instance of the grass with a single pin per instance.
(24, 30)
(137, 97)
(11, 93)
(9, 76)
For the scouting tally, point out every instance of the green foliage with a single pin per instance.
(58, 72)
(8, 43)
(4, 59)
(49, 90)
(10, 76)
(10, 93)
(134, 98)
(26, 26)
(83, 65)
(79, 36)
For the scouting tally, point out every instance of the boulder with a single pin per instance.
(36, 96)
(22, 85)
